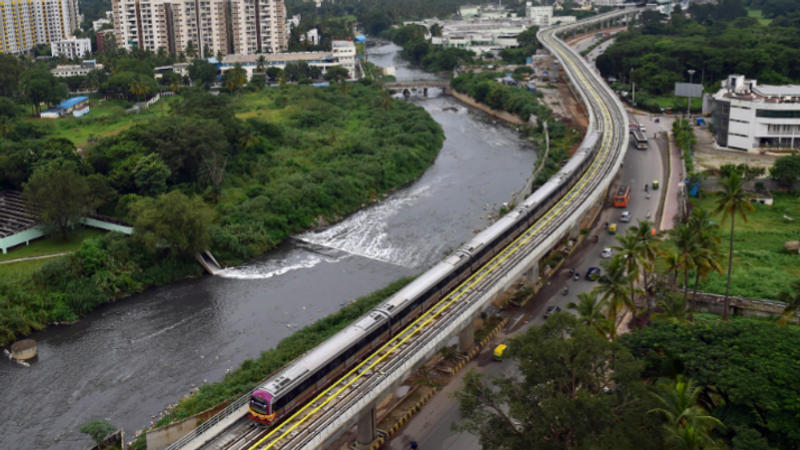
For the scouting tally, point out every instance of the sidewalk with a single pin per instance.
(674, 186)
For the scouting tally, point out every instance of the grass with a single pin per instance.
(48, 245)
(670, 101)
(758, 15)
(762, 268)
(20, 272)
(106, 118)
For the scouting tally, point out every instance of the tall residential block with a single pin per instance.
(27, 23)
(212, 26)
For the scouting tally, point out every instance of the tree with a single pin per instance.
(674, 308)
(590, 311)
(173, 219)
(612, 287)
(57, 195)
(731, 201)
(707, 256)
(98, 430)
(786, 170)
(274, 74)
(792, 300)
(336, 74)
(202, 72)
(191, 50)
(10, 71)
(630, 251)
(235, 78)
(747, 369)
(576, 389)
(151, 174)
(40, 86)
(688, 425)
(687, 250)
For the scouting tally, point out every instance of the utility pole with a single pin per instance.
(689, 99)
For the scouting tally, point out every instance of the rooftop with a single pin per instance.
(14, 217)
(70, 102)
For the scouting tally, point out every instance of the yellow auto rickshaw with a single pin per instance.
(498, 352)
(655, 185)
(612, 228)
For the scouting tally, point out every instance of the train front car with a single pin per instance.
(261, 407)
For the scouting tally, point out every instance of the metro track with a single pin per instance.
(301, 429)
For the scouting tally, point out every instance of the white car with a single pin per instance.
(607, 253)
(625, 216)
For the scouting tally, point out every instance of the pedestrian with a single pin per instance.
(413, 445)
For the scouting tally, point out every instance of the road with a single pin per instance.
(432, 428)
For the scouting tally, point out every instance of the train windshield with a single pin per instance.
(260, 405)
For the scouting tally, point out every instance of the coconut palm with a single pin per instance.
(648, 249)
(673, 264)
(731, 201)
(687, 249)
(707, 256)
(629, 251)
(674, 308)
(612, 287)
(792, 300)
(687, 423)
(590, 310)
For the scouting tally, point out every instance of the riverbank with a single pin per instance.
(312, 156)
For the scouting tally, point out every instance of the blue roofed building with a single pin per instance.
(75, 106)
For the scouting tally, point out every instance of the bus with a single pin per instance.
(639, 139)
(622, 196)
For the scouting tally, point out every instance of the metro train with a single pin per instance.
(299, 381)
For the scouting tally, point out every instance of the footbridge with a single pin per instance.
(352, 398)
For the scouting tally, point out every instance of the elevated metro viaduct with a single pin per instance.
(362, 389)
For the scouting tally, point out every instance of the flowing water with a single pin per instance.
(127, 361)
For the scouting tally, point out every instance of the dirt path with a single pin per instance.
(31, 258)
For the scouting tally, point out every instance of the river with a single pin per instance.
(127, 361)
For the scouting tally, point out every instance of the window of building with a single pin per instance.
(778, 114)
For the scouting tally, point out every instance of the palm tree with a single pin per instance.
(590, 310)
(688, 424)
(673, 263)
(792, 300)
(612, 288)
(684, 239)
(674, 308)
(731, 201)
(648, 249)
(629, 251)
(707, 257)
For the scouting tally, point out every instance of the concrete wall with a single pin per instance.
(161, 437)
(740, 306)
(508, 117)
(23, 237)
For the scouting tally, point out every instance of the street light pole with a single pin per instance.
(689, 99)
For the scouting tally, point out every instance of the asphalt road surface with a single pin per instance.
(432, 427)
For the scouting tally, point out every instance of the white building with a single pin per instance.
(756, 118)
(71, 48)
(541, 16)
(211, 26)
(76, 70)
(25, 24)
(343, 53)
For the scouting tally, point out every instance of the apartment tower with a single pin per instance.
(212, 26)
(27, 23)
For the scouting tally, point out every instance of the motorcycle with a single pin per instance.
(565, 291)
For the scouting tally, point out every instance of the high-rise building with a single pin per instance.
(211, 26)
(27, 23)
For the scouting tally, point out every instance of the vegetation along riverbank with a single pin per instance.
(234, 173)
